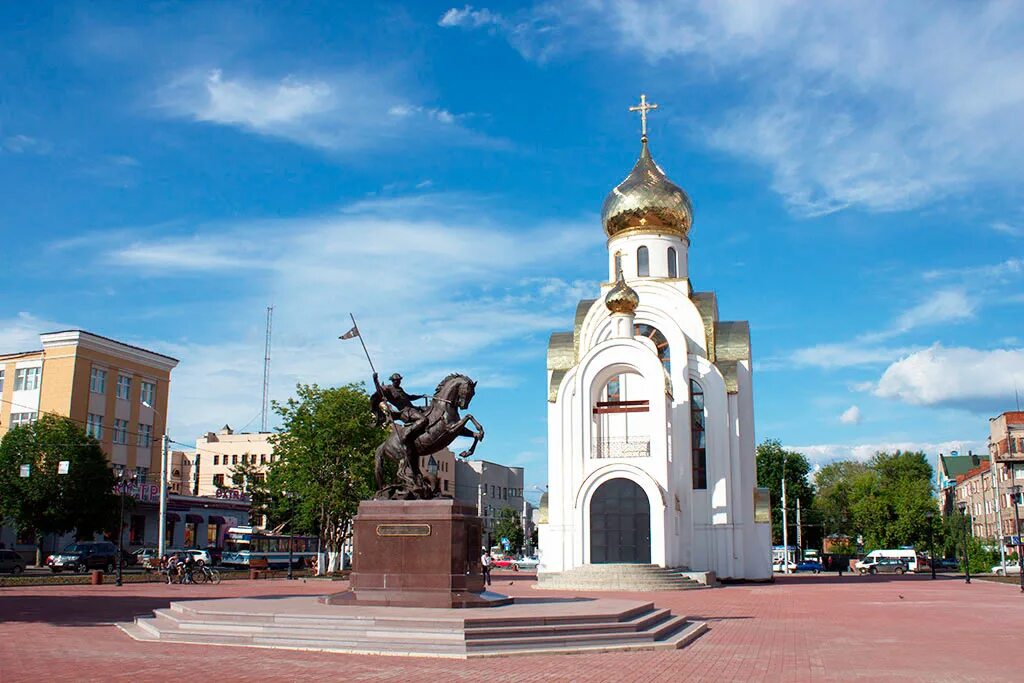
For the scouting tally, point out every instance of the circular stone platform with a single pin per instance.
(527, 626)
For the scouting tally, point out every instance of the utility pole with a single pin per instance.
(161, 543)
(799, 530)
(266, 370)
(785, 523)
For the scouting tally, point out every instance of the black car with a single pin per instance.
(83, 556)
(947, 564)
(11, 561)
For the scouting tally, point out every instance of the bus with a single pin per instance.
(242, 544)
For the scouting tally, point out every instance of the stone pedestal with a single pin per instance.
(418, 553)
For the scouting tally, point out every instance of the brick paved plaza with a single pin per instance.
(797, 629)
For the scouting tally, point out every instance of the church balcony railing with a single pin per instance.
(622, 447)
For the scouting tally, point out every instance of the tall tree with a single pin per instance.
(509, 526)
(833, 500)
(772, 461)
(325, 463)
(46, 502)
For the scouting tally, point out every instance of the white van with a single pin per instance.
(908, 555)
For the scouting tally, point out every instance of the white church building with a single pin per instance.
(650, 407)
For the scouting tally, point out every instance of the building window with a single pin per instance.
(234, 459)
(23, 418)
(120, 431)
(94, 426)
(263, 458)
(660, 342)
(124, 386)
(98, 381)
(216, 460)
(218, 480)
(673, 263)
(699, 444)
(643, 262)
(147, 394)
(145, 435)
(445, 484)
(613, 390)
(237, 479)
(2, 372)
(26, 379)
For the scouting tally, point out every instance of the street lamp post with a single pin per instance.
(962, 507)
(929, 515)
(1015, 492)
(123, 477)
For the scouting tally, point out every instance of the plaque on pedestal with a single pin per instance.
(417, 553)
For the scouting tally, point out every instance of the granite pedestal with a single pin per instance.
(418, 553)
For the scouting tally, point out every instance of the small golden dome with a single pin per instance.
(647, 201)
(622, 298)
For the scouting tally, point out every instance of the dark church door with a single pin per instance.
(620, 523)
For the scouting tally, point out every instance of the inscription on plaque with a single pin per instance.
(403, 529)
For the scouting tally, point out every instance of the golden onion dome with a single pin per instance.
(647, 201)
(622, 298)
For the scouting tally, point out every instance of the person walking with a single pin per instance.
(485, 561)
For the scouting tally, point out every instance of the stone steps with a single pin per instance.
(619, 577)
(554, 625)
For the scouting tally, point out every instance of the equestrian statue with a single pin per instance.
(415, 432)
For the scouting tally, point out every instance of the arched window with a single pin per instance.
(699, 443)
(655, 335)
(673, 263)
(618, 264)
(643, 262)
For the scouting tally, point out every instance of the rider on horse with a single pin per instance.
(413, 417)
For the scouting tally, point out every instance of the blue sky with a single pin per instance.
(171, 169)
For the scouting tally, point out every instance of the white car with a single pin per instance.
(1010, 569)
(777, 567)
(201, 556)
(527, 563)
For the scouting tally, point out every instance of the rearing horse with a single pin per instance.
(444, 425)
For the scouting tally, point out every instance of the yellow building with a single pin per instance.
(115, 391)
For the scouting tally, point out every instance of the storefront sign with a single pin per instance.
(232, 494)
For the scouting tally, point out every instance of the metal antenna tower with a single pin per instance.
(266, 370)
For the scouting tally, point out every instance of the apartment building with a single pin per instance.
(116, 391)
(491, 487)
(211, 469)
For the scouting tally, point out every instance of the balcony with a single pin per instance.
(622, 447)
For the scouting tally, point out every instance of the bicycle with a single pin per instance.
(203, 574)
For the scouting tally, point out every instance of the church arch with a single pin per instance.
(643, 262)
(620, 523)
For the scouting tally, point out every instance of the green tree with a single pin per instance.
(772, 461)
(325, 463)
(46, 502)
(833, 499)
(509, 526)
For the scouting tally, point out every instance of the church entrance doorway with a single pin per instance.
(620, 523)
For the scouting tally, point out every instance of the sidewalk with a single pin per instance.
(797, 629)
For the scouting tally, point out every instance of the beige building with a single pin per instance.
(117, 392)
(211, 469)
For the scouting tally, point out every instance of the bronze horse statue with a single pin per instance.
(443, 425)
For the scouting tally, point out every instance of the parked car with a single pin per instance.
(1010, 569)
(501, 562)
(947, 564)
(777, 567)
(527, 563)
(83, 556)
(810, 566)
(200, 555)
(885, 565)
(11, 561)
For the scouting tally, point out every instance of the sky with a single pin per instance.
(437, 170)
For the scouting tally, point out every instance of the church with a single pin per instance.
(650, 406)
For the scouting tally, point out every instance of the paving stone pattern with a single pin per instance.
(797, 629)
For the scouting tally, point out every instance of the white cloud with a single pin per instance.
(975, 379)
(1007, 229)
(846, 354)
(876, 105)
(342, 112)
(822, 454)
(435, 288)
(24, 144)
(851, 416)
(467, 17)
(981, 276)
(21, 333)
(948, 305)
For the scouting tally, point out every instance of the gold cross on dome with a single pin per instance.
(643, 108)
